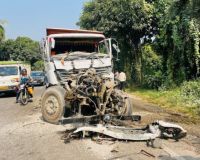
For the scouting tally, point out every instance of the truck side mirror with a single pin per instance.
(52, 43)
(116, 48)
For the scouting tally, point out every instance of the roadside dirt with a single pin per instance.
(151, 112)
(24, 135)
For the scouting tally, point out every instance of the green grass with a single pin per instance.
(184, 99)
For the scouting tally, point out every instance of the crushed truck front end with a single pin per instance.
(69, 53)
(78, 66)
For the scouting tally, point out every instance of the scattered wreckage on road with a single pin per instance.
(156, 129)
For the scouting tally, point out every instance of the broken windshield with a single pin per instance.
(79, 47)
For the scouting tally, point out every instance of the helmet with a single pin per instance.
(24, 70)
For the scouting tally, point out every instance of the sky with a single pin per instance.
(29, 18)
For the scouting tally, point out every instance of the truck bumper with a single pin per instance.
(95, 119)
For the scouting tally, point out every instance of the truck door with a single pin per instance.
(113, 44)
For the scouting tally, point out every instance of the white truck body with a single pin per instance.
(56, 72)
(78, 69)
(10, 74)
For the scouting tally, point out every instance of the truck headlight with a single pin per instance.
(13, 80)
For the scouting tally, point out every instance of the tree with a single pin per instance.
(26, 49)
(167, 29)
(21, 49)
(6, 48)
(38, 66)
(2, 31)
(179, 38)
(127, 20)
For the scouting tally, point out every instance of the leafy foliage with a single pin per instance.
(179, 38)
(128, 21)
(21, 49)
(151, 67)
(38, 66)
(2, 30)
(159, 40)
(160, 46)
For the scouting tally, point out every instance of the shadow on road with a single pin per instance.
(7, 95)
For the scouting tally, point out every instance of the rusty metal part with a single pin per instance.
(87, 89)
(147, 153)
(88, 93)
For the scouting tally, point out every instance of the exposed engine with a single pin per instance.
(93, 93)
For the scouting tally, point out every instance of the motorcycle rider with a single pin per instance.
(23, 78)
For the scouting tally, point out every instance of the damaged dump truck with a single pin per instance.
(78, 68)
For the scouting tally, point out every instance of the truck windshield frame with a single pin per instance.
(83, 45)
(8, 70)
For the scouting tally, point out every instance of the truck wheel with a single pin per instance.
(129, 106)
(53, 104)
(127, 109)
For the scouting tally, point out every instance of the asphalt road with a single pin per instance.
(24, 135)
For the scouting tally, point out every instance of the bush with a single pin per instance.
(154, 81)
(187, 95)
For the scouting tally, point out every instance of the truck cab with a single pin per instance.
(68, 51)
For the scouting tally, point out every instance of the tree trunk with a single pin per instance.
(138, 66)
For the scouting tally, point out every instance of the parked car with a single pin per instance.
(38, 77)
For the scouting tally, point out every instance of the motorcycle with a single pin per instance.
(26, 93)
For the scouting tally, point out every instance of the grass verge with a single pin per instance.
(176, 100)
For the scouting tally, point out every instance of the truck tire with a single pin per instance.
(53, 104)
(129, 106)
(127, 109)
